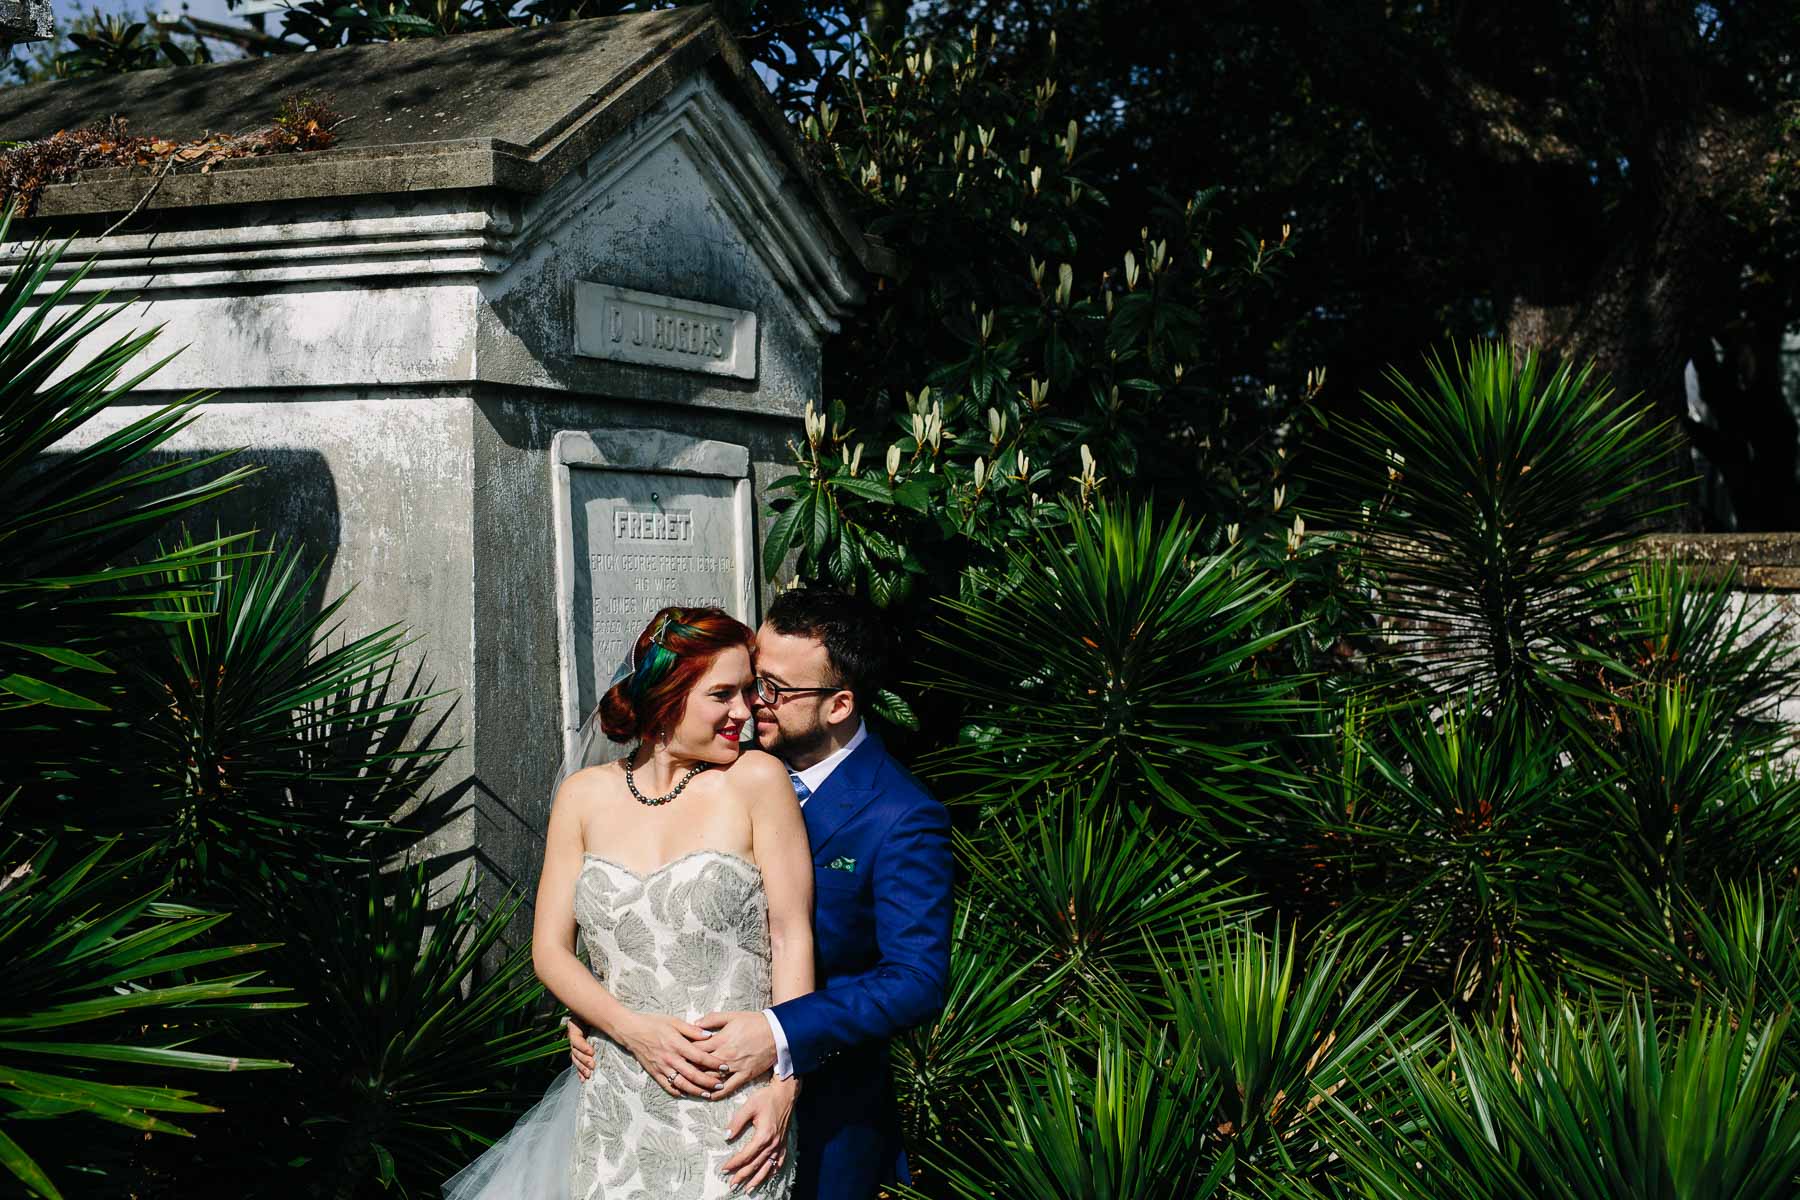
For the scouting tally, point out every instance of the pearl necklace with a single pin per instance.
(676, 791)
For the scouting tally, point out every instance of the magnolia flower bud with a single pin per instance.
(893, 460)
(1069, 143)
(1131, 270)
(1231, 532)
(1065, 284)
(856, 459)
(1024, 466)
(980, 473)
(996, 425)
(1037, 178)
(1280, 497)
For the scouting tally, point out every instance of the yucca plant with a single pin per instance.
(1123, 659)
(1735, 948)
(409, 1055)
(270, 743)
(1092, 884)
(1682, 624)
(1574, 1103)
(1696, 797)
(112, 995)
(999, 991)
(1276, 1031)
(69, 595)
(1463, 842)
(1126, 1127)
(1513, 492)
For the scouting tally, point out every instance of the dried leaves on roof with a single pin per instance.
(302, 123)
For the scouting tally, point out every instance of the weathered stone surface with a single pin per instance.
(25, 21)
(393, 330)
(511, 109)
(644, 520)
(1762, 562)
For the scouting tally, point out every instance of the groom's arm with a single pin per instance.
(911, 884)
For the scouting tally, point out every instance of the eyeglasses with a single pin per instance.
(770, 693)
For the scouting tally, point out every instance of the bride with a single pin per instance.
(684, 871)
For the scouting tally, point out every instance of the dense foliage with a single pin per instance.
(1603, 183)
(1451, 851)
(1491, 913)
(208, 972)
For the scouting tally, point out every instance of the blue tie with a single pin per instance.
(800, 788)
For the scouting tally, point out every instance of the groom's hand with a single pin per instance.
(743, 1041)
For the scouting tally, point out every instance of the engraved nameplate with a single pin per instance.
(642, 540)
(641, 327)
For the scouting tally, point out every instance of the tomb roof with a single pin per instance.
(511, 109)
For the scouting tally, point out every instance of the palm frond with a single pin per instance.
(1125, 658)
(1512, 492)
(107, 992)
(69, 516)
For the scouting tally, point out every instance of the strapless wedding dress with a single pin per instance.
(691, 937)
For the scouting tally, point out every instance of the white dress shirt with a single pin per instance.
(814, 778)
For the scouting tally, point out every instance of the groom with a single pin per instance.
(881, 899)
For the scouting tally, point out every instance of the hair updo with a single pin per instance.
(667, 660)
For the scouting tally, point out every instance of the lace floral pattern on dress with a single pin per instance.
(690, 938)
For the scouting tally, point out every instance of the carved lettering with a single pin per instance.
(642, 327)
(652, 525)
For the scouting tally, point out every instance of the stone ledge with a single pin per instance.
(1763, 562)
(512, 111)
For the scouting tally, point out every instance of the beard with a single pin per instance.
(790, 745)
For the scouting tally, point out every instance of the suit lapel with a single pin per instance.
(846, 792)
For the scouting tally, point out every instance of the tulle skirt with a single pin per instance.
(532, 1161)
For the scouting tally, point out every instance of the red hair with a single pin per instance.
(675, 649)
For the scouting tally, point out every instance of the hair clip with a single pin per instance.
(662, 625)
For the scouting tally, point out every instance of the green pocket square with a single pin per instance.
(841, 864)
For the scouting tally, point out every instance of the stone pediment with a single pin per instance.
(512, 111)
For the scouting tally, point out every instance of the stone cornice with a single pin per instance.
(475, 232)
(461, 170)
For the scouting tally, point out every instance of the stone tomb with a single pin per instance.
(520, 354)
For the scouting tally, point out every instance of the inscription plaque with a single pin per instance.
(662, 331)
(633, 539)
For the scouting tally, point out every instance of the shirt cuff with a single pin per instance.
(784, 1061)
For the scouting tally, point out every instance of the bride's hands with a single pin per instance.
(666, 1048)
(768, 1110)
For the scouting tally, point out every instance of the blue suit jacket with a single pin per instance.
(882, 877)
